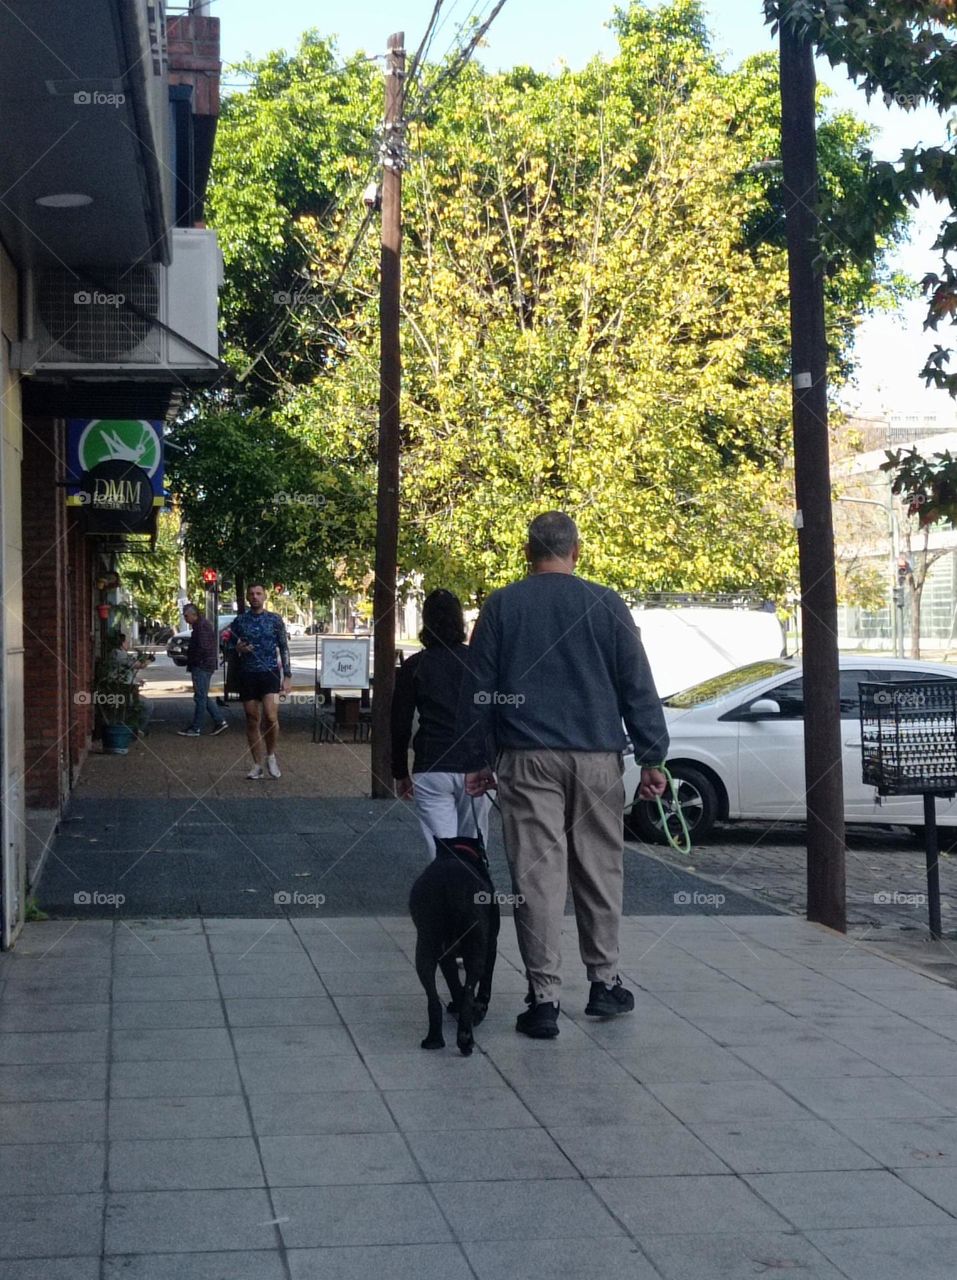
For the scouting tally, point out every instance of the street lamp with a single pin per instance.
(897, 595)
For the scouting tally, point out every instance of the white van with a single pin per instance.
(688, 644)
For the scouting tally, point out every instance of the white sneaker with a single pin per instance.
(255, 773)
(273, 766)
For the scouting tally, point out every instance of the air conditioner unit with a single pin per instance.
(147, 322)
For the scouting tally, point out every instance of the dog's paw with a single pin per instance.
(433, 1042)
(478, 1013)
(466, 1047)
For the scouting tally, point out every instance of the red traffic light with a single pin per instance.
(209, 577)
(278, 588)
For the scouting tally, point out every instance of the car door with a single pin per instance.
(861, 801)
(771, 755)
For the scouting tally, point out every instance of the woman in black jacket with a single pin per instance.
(429, 683)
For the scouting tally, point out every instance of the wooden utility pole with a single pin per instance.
(826, 902)
(390, 389)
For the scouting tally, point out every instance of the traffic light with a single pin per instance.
(899, 597)
(278, 588)
(209, 577)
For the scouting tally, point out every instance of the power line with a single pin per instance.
(458, 63)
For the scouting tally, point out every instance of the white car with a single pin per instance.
(737, 749)
(294, 629)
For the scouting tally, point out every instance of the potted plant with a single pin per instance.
(117, 704)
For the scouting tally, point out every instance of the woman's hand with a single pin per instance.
(405, 788)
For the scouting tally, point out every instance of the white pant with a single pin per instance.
(444, 810)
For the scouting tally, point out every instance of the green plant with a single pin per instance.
(115, 697)
(32, 913)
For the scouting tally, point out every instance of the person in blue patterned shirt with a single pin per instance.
(258, 639)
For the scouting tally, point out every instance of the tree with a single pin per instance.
(904, 51)
(152, 577)
(595, 301)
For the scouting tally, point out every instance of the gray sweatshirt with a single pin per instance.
(557, 661)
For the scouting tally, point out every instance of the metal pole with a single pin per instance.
(932, 852)
(826, 889)
(390, 388)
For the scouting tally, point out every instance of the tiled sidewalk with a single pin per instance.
(246, 1100)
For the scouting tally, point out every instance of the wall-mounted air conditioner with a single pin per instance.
(146, 322)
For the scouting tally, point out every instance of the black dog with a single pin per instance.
(455, 913)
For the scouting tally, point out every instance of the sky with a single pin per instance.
(545, 33)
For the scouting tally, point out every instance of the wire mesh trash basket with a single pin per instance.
(909, 747)
(909, 736)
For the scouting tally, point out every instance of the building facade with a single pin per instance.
(108, 315)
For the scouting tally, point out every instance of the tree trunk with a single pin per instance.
(240, 592)
(915, 595)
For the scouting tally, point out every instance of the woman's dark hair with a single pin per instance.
(442, 620)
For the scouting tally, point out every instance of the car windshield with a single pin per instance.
(728, 682)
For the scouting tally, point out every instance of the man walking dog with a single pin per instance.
(258, 638)
(557, 665)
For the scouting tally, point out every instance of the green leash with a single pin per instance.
(685, 846)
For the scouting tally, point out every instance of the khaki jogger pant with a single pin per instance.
(562, 814)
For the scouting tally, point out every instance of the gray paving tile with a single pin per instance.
(444, 1110)
(319, 1041)
(24, 1047)
(16, 1015)
(296, 1011)
(52, 1269)
(187, 1117)
(374, 982)
(850, 1097)
(489, 1155)
(389, 1214)
(333, 1159)
(188, 1221)
(524, 1210)
(563, 1259)
(763, 1146)
(889, 1253)
(261, 1265)
(900, 1144)
(180, 1164)
(165, 964)
(152, 1014)
(52, 1081)
(337, 1111)
(869, 1198)
(51, 1168)
(726, 1257)
(807, 1056)
(304, 1073)
(937, 1184)
(674, 1062)
(50, 1226)
(269, 986)
(385, 1262)
(150, 1045)
(169, 1080)
(536, 1067)
(626, 1104)
(35, 987)
(420, 1070)
(727, 1100)
(687, 1205)
(941, 1090)
(63, 1121)
(619, 1151)
(195, 987)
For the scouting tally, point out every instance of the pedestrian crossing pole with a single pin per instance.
(390, 389)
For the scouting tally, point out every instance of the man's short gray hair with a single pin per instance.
(552, 536)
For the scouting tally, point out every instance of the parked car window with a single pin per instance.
(699, 695)
(851, 692)
(790, 698)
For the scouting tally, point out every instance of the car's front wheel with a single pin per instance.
(699, 805)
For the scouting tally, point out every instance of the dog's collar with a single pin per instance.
(455, 847)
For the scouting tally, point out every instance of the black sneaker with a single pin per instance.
(540, 1021)
(606, 1002)
(221, 727)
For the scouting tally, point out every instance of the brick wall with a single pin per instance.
(193, 48)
